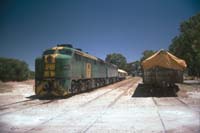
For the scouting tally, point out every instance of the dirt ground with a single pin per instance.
(105, 110)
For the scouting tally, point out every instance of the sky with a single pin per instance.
(99, 27)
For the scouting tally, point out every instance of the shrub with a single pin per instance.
(13, 70)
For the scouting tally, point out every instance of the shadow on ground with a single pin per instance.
(144, 90)
(51, 97)
(33, 97)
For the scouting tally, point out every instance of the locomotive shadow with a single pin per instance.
(50, 97)
(34, 97)
(144, 90)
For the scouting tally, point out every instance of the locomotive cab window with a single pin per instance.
(65, 51)
(47, 52)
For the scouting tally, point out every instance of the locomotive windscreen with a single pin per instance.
(49, 52)
(65, 51)
(61, 51)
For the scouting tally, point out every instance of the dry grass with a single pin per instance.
(29, 82)
(9, 86)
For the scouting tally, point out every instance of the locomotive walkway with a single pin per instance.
(108, 109)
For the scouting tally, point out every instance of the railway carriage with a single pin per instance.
(64, 70)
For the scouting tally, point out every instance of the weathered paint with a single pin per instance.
(86, 55)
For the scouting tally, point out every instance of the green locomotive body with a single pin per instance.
(64, 70)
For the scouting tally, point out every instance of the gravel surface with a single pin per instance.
(108, 109)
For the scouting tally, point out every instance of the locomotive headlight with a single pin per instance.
(67, 67)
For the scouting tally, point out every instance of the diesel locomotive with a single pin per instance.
(64, 70)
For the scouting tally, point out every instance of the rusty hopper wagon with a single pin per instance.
(163, 69)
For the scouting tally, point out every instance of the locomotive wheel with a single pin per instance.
(88, 85)
(81, 86)
(97, 83)
(74, 87)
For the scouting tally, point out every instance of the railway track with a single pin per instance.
(26, 104)
(116, 86)
(186, 105)
(101, 108)
(113, 88)
(157, 110)
(19, 102)
(7, 109)
(112, 103)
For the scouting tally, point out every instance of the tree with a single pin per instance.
(31, 75)
(134, 68)
(117, 59)
(13, 70)
(146, 54)
(187, 44)
(129, 68)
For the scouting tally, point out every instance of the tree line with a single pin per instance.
(14, 70)
(186, 45)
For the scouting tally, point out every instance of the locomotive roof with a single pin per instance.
(59, 47)
(85, 54)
